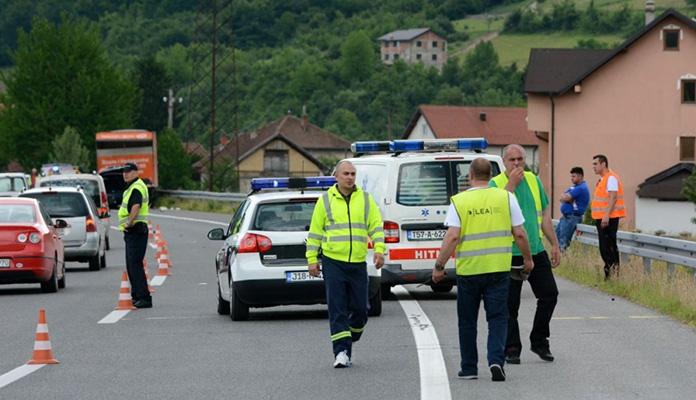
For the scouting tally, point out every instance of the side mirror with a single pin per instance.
(216, 234)
(60, 224)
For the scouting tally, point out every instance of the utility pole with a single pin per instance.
(171, 100)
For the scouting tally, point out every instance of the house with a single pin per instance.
(414, 46)
(289, 146)
(636, 104)
(499, 125)
(660, 205)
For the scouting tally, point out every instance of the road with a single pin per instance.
(182, 349)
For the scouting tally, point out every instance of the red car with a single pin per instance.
(31, 249)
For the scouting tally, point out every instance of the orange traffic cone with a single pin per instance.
(163, 269)
(147, 278)
(42, 344)
(125, 301)
(164, 257)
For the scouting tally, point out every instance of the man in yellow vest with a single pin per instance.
(534, 203)
(345, 218)
(607, 208)
(482, 223)
(132, 220)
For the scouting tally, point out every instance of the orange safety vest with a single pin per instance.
(600, 201)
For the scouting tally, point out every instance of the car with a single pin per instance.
(94, 186)
(262, 260)
(85, 241)
(412, 181)
(31, 248)
(115, 185)
(12, 183)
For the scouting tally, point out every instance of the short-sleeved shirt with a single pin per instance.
(526, 201)
(581, 199)
(516, 216)
(612, 184)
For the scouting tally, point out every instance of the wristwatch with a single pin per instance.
(439, 267)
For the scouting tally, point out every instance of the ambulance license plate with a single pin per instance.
(426, 235)
(301, 276)
(4, 262)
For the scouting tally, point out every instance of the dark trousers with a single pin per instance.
(346, 295)
(607, 243)
(493, 290)
(136, 246)
(546, 292)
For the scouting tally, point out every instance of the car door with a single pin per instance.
(226, 254)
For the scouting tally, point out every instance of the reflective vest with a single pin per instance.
(600, 200)
(501, 180)
(485, 237)
(139, 185)
(343, 228)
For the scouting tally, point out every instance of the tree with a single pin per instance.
(68, 148)
(62, 78)
(357, 57)
(346, 123)
(174, 165)
(153, 82)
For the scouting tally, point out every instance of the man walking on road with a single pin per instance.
(481, 223)
(132, 220)
(607, 208)
(534, 203)
(345, 218)
(574, 202)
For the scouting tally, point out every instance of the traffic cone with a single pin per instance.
(164, 257)
(42, 344)
(147, 278)
(125, 301)
(163, 268)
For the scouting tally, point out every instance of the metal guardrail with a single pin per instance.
(199, 195)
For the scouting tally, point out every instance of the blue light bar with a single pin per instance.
(438, 145)
(406, 145)
(292, 183)
(472, 144)
(370, 147)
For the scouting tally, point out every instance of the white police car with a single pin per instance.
(262, 261)
(412, 182)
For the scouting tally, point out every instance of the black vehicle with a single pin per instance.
(115, 185)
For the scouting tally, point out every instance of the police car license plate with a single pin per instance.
(4, 262)
(426, 235)
(301, 276)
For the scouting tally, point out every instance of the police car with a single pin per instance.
(262, 261)
(412, 182)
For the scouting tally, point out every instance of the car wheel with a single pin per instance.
(441, 288)
(238, 310)
(385, 291)
(94, 263)
(51, 285)
(108, 244)
(223, 305)
(376, 304)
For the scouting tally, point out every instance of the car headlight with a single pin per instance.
(22, 238)
(35, 238)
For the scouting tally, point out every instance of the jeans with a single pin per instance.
(546, 292)
(566, 228)
(608, 248)
(493, 289)
(136, 246)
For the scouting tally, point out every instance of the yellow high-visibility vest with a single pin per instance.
(501, 180)
(140, 186)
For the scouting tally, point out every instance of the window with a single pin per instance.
(236, 221)
(671, 39)
(395, 44)
(276, 161)
(418, 43)
(396, 56)
(386, 44)
(286, 216)
(386, 56)
(418, 56)
(434, 57)
(62, 204)
(688, 91)
(434, 44)
(687, 148)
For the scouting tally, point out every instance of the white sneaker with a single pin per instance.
(342, 360)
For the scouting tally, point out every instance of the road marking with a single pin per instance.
(434, 383)
(158, 280)
(207, 221)
(113, 317)
(645, 316)
(18, 373)
(599, 317)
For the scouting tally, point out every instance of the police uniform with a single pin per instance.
(342, 226)
(136, 237)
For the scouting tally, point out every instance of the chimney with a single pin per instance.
(224, 140)
(649, 11)
(482, 116)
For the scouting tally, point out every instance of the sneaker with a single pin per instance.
(512, 358)
(342, 360)
(462, 375)
(543, 352)
(497, 373)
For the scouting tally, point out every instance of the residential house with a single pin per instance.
(420, 45)
(636, 104)
(499, 125)
(660, 205)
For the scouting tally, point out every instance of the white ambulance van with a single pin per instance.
(412, 181)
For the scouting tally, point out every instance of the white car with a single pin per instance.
(12, 183)
(412, 182)
(262, 260)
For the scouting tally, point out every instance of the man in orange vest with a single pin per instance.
(607, 208)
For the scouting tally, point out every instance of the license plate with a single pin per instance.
(301, 276)
(426, 235)
(4, 262)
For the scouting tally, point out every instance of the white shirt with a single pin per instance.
(612, 184)
(515, 212)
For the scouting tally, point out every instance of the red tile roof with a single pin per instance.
(502, 125)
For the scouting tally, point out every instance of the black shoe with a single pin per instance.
(143, 304)
(497, 373)
(512, 358)
(543, 352)
(462, 375)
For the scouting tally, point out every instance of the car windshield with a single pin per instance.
(286, 216)
(90, 187)
(62, 204)
(17, 213)
(5, 184)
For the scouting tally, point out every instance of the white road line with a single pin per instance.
(158, 280)
(434, 382)
(206, 221)
(18, 373)
(114, 316)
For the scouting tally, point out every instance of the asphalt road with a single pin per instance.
(182, 349)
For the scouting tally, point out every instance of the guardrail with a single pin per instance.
(199, 195)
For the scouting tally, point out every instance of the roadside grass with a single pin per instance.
(670, 294)
(601, 5)
(221, 207)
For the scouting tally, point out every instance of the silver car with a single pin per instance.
(85, 238)
(12, 183)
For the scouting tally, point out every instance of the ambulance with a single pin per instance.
(412, 181)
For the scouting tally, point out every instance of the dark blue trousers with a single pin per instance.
(346, 295)
(136, 246)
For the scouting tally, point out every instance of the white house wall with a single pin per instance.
(673, 217)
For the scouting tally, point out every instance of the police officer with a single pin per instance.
(345, 218)
(132, 220)
(482, 222)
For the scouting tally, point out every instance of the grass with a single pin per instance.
(671, 294)
(221, 207)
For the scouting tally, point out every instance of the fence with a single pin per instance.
(194, 194)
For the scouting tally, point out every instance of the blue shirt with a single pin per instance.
(581, 199)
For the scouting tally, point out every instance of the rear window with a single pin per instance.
(62, 205)
(432, 183)
(90, 187)
(12, 184)
(286, 216)
(16, 213)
